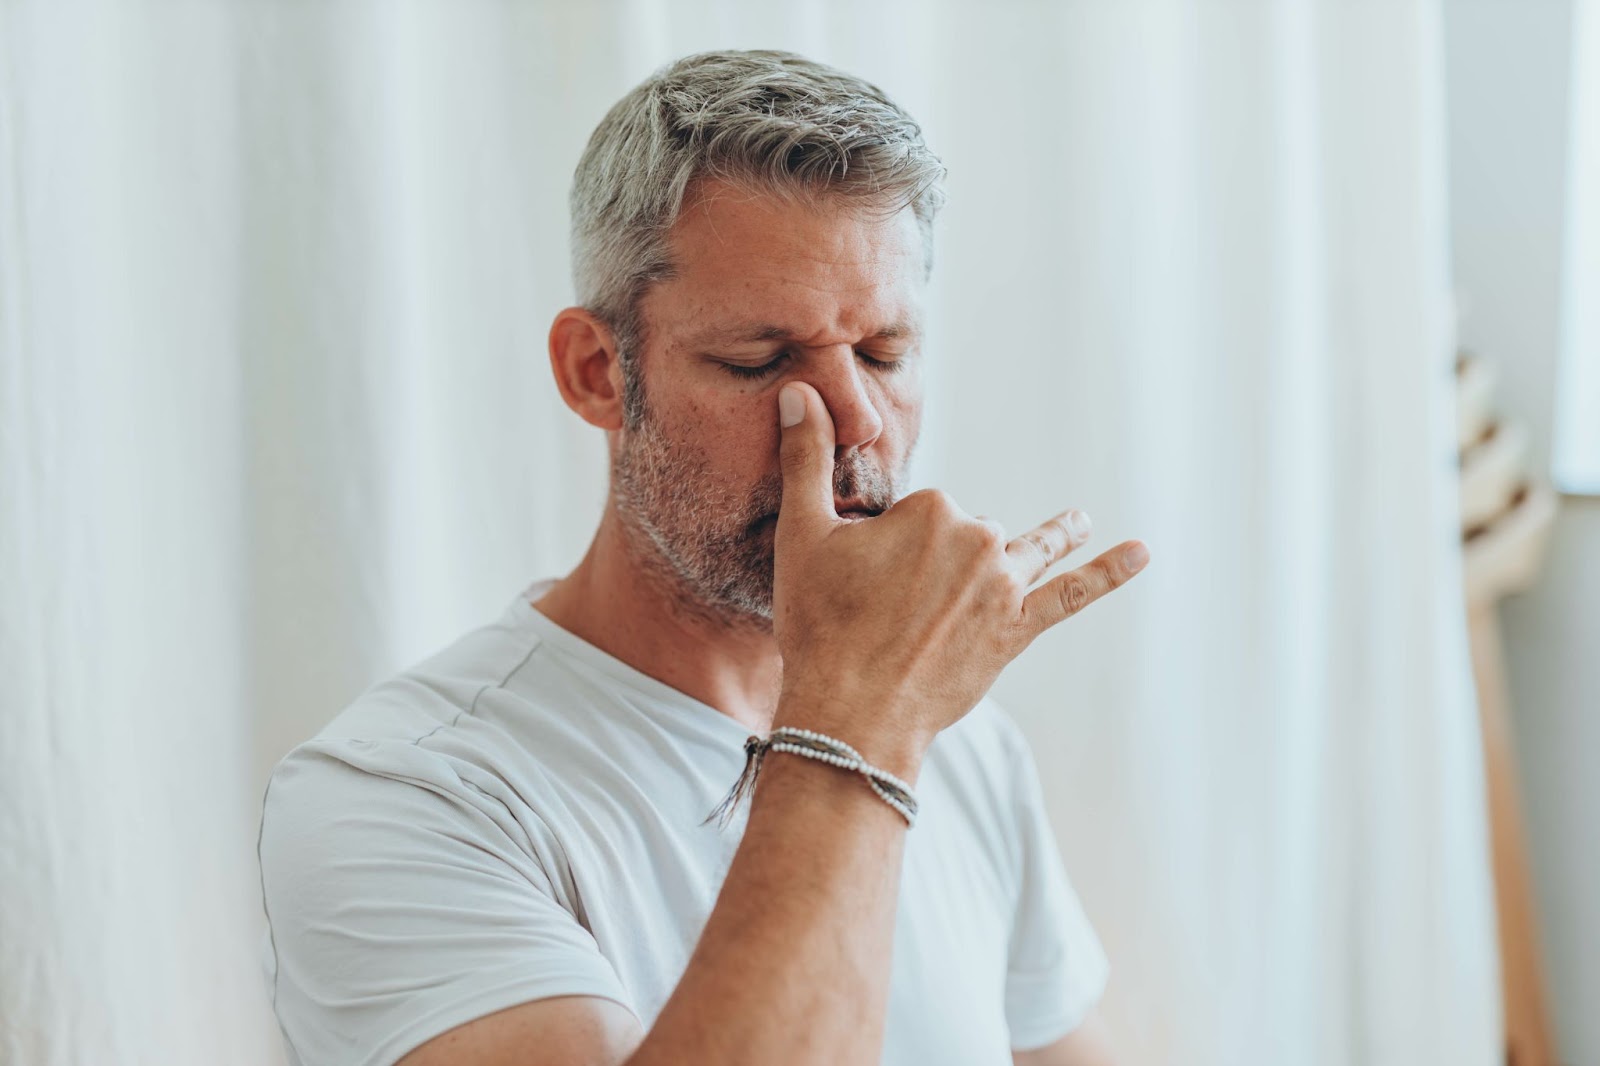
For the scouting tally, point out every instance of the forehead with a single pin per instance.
(754, 267)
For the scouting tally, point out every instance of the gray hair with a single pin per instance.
(772, 122)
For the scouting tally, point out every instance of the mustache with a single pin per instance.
(851, 478)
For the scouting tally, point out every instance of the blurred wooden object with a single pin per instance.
(1505, 519)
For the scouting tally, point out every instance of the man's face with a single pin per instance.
(767, 292)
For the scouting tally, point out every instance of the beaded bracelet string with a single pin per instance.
(893, 791)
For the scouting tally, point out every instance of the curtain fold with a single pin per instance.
(278, 420)
(1577, 431)
(125, 820)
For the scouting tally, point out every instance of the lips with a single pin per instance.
(852, 510)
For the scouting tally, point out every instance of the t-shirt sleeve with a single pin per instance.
(402, 901)
(1056, 969)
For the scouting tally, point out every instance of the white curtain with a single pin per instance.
(1577, 431)
(276, 420)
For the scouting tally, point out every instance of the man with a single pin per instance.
(502, 855)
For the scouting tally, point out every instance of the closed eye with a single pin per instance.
(761, 370)
(888, 366)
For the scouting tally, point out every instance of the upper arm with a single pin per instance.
(561, 1031)
(1087, 1045)
(404, 903)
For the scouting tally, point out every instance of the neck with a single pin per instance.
(621, 599)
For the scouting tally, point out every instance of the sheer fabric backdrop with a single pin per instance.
(1577, 430)
(276, 420)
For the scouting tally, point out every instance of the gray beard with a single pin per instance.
(706, 542)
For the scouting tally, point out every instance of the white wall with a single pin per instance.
(1508, 63)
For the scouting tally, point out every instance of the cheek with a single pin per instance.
(738, 433)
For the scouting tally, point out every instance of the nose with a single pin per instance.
(840, 378)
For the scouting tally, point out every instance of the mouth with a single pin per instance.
(849, 510)
(855, 510)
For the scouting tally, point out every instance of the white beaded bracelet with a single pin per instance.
(823, 748)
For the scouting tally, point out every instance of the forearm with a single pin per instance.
(792, 966)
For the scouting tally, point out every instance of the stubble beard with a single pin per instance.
(707, 542)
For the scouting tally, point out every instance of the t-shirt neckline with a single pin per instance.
(570, 644)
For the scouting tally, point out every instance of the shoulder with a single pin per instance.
(400, 753)
(392, 729)
(441, 688)
(409, 879)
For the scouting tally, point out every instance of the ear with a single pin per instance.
(583, 357)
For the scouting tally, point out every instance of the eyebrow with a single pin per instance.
(762, 332)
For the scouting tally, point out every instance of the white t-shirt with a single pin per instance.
(519, 816)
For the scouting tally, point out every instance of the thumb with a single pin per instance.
(805, 456)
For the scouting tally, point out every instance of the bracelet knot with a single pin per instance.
(812, 745)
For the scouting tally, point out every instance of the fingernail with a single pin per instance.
(1135, 557)
(791, 406)
(1079, 523)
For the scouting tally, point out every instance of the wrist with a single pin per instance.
(862, 722)
(823, 787)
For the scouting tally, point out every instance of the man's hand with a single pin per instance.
(915, 611)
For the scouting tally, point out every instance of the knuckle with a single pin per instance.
(1075, 593)
(972, 536)
(990, 535)
(1114, 571)
(937, 508)
(1017, 636)
(794, 452)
